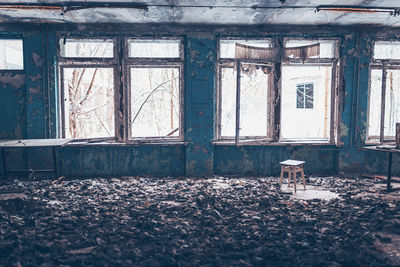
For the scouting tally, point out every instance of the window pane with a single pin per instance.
(312, 122)
(11, 55)
(227, 46)
(155, 102)
(228, 102)
(392, 102)
(327, 47)
(154, 48)
(253, 100)
(95, 48)
(374, 105)
(386, 50)
(88, 102)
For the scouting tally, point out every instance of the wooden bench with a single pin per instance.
(292, 167)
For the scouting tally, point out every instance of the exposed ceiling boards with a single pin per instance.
(223, 12)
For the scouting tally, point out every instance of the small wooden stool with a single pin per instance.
(292, 167)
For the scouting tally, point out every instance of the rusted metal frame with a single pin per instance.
(156, 64)
(333, 101)
(277, 87)
(219, 100)
(369, 107)
(119, 93)
(383, 100)
(62, 95)
(237, 121)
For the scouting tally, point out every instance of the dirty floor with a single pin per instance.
(337, 221)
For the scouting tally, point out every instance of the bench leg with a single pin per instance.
(281, 179)
(302, 177)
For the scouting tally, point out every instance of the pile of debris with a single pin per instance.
(217, 221)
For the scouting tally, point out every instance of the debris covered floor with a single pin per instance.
(192, 222)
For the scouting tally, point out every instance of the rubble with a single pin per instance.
(180, 222)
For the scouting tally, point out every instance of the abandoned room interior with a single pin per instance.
(200, 133)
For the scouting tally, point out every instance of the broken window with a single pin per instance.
(160, 48)
(87, 48)
(155, 105)
(255, 78)
(11, 54)
(97, 104)
(155, 67)
(308, 79)
(384, 92)
(243, 98)
(88, 102)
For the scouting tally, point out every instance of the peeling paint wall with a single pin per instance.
(29, 109)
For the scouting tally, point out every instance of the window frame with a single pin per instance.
(384, 65)
(335, 63)
(121, 64)
(15, 37)
(232, 63)
(275, 92)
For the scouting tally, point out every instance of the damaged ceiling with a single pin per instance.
(222, 12)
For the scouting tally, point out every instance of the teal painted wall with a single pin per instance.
(29, 109)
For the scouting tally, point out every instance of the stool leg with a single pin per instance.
(280, 180)
(289, 177)
(302, 177)
(294, 178)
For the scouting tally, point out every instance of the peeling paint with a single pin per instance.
(37, 60)
(14, 80)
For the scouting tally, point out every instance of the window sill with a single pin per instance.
(113, 143)
(281, 143)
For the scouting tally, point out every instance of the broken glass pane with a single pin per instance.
(227, 46)
(155, 105)
(392, 102)
(305, 95)
(300, 96)
(11, 55)
(228, 102)
(253, 100)
(386, 50)
(313, 121)
(327, 47)
(374, 105)
(87, 48)
(88, 102)
(161, 48)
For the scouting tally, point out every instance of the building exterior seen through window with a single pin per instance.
(305, 95)
(272, 93)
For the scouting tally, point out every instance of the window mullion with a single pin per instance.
(383, 99)
(333, 97)
(237, 125)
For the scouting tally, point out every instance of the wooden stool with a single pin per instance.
(292, 167)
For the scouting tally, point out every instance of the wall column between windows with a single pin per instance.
(199, 104)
